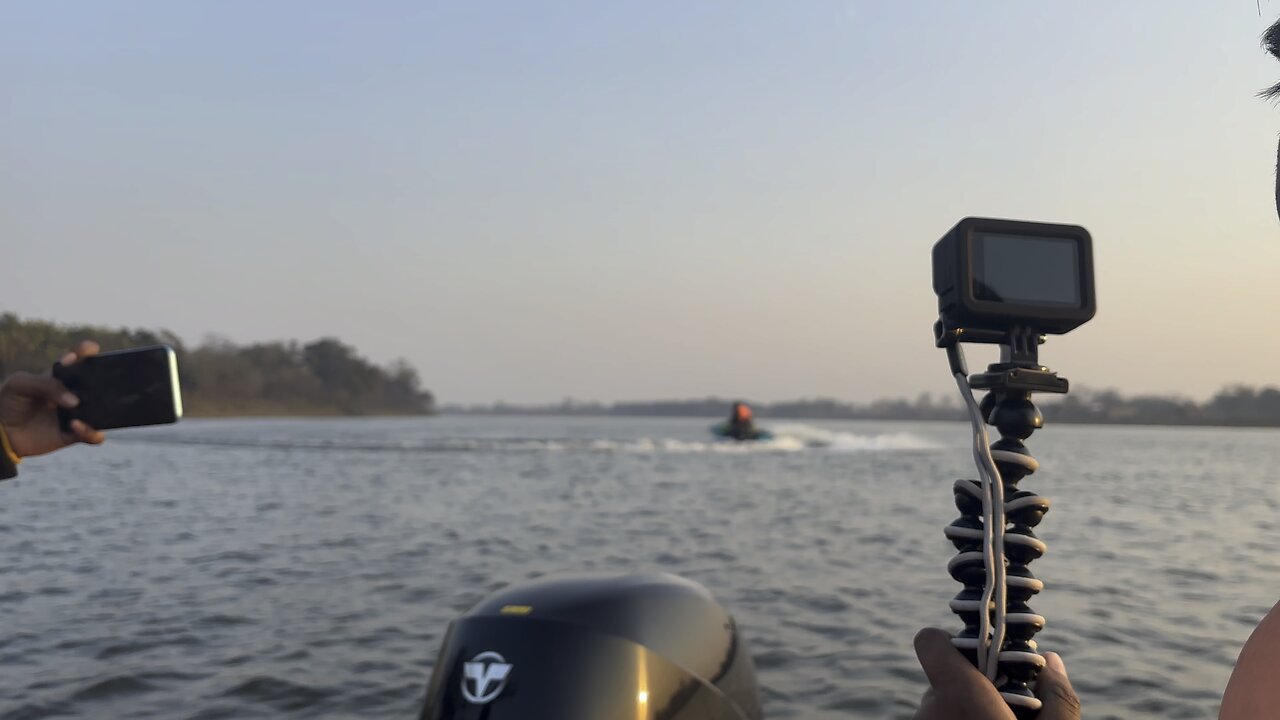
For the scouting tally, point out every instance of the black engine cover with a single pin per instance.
(639, 647)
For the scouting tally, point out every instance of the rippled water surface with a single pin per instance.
(307, 568)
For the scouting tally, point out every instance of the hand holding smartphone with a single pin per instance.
(123, 388)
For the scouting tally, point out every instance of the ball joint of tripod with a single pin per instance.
(1016, 417)
(1013, 414)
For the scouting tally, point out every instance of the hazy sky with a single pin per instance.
(629, 200)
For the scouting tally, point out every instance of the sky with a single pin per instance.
(637, 200)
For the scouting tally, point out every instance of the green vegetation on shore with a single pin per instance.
(219, 378)
(327, 377)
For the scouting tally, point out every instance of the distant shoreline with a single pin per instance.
(763, 420)
(1232, 408)
(232, 413)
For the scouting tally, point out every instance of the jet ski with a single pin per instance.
(725, 430)
(649, 646)
(740, 425)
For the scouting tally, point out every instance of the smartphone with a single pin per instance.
(123, 388)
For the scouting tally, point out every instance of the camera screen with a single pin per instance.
(1027, 269)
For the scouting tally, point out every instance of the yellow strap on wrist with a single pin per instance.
(8, 449)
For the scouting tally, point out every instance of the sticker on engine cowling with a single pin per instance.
(484, 677)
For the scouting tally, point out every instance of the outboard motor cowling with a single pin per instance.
(640, 647)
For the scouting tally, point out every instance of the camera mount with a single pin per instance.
(1009, 408)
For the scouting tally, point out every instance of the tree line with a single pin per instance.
(218, 377)
(1236, 405)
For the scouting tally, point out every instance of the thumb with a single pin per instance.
(942, 662)
(1054, 690)
(40, 387)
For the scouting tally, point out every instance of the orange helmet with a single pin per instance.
(742, 412)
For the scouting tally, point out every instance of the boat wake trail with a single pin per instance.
(839, 441)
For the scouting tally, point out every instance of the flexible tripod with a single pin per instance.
(1009, 623)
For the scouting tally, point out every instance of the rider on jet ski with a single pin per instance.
(741, 426)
